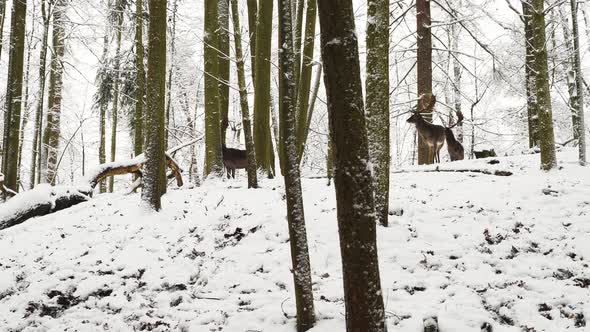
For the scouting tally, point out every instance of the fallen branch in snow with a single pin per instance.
(456, 170)
(45, 199)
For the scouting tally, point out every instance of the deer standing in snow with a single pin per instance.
(232, 159)
(433, 135)
(456, 151)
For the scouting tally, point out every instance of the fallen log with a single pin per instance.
(456, 170)
(45, 199)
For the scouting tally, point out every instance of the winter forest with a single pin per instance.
(294, 165)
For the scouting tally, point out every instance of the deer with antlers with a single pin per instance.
(435, 135)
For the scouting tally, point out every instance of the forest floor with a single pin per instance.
(469, 248)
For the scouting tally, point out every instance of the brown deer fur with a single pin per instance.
(456, 151)
(234, 159)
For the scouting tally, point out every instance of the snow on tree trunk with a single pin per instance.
(295, 213)
(543, 93)
(252, 168)
(377, 111)
(138, 136)
(424, 67)
(579, 95)
(14, 94)
(155, 173)
(530, 78)
(51, 135)
(354, 189)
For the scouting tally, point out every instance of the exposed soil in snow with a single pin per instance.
(469, 248)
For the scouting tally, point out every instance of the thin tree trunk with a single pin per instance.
(546, 135)
(171, 70)
(424, 42)
(26, 102)
(155, 166)
(213, 157)
(104, 104)
(2, 17)
(252, 168)
(455, 29)
(138, 136)
(252, 19)
(311, 107)
(377, 111)
(579, 100)
(569, 68)
(303, 89)
(295, 213)
(116, 85)
(354, 188)
(224, 68)
(14, 94)
(52, 128)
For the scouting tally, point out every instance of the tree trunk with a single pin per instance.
(52, 128)
(424, 42)
(37, 139)
(119, 11)
(252, 168)
(2, 17)
(26, 104)
(14, 94)
(155, 167)
(455, 29)
(579, 99)
(171, 70)
(224, 74)
(252, 19)
(262, 137)
(213, 157)
(354, 189)
(303, 89)
(530, 78)
(295, 213)
(543, 93)
(138, 136)
(377, 112)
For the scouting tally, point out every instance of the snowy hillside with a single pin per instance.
(469, 248)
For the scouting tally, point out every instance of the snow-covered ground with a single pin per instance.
(469, 248)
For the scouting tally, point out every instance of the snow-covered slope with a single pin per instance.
(469, 248)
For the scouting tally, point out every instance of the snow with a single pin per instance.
(467, 248)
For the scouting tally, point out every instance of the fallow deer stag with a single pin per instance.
(433, 135)
(234, 159)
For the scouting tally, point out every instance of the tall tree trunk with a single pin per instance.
(377, 112)
(303, 89)
(103, 103)
(14, 94)
(546, 135)
(252, 168)
(530, 77)
(155, 166)
(297, 7)
(252, 19)
(36, 153)
(569, 68)
(295, 213)
(138, 136)
(262, 137)
(25, 120)
(424, 42)
(2, 17)
(119, 14)
(213, 157)
(455, 29)
(224, 74)
(354, 188)
(579, 100)
(52, 128)
(171, 70)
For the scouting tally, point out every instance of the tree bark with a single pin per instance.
(25, 120)
(530, 77)
(252, 168)
(119, 11)
(171, 70)
(14, 94)
(52, 128)
(262, 137)
(295, 213)
(224, 68)
(424, 42)
(377, 111)
(252, 19)
(579, 96)
(155, 167)
(138, 136)
(354, 188)
(2, 19)
(543, 93)
(213, 157)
